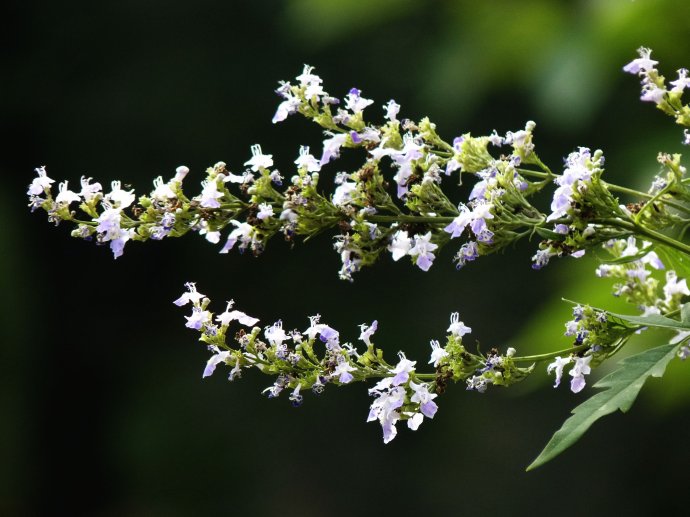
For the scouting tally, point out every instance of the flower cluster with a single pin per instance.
(397, 201)
(654, 88)
(245, 209)
(595, 338)
(314, 358)
(633, 265)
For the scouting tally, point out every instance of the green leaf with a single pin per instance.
(626, 260)
(673, 259)
(653, 320)
(549, 234)
(623, 386)
(685, 313)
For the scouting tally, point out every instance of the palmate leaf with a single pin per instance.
(623, 386)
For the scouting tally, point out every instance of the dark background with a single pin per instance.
(102, 406)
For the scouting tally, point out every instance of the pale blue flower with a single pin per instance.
(215, 360)
(421, 396)
(331, 147)
(578, 372)
(40, 182)
(400, 245)
(355, 102)
(422, 249)
(402, 370)
(368, 331)
(557, 365)
(342, 371)
(642, 64)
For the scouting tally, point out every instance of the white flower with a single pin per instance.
(385, 407)
(674, 287)
(285, 108)
(39, 183)
(197, 319)
(558, 365)
(109, 223)
(642, 64)
(400, 245)
(368, 331)
(457, 328)
(66, 196)
(210, 194)
(181, 172)
(162, 190)
(307, 78)
(652, 93)
(343, 194)
(682, 82)
(89, 190)
(275, 334)
(265, 211)
(242, 233)
(119, 197)
(117, 242)
(307, 161)
(226, 317)
(192, 295)
(315, 327)
(259, 160)
(392, 110)
(342, 371)
(437, 353)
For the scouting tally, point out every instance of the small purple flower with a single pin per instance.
(331, 147)
(214, 361)
(423, 248)
(329, 336)
(355, 102)
(578, 372)
(342, 371)
(355, 137)
(368, 331)
(541, 258)
(402, 370)
(642, 64)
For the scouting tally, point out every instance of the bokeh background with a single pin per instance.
(102, 406)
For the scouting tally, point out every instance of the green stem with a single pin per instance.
(613, 188)
(408, 219)
(652, 234)
(550, 355)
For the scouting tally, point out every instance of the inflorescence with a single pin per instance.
(397, 201)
